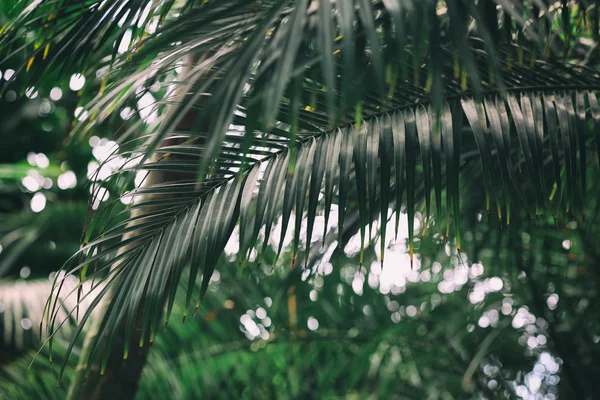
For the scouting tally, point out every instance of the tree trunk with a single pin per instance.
(121, 378)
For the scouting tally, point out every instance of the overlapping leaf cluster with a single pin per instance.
(281, 102)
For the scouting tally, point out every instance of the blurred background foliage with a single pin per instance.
(516, 314)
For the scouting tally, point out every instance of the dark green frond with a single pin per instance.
(282, 103)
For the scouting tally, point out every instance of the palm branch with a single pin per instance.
(284, 101)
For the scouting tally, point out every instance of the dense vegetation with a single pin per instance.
(299, 199)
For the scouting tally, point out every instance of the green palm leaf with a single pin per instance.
(261, 90)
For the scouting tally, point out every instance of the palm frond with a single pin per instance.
(278, 98)
(197, 226)
(68, 35)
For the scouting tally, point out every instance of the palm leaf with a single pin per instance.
(237, 111)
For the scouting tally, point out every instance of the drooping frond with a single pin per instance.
(182, 225)
(284, 102)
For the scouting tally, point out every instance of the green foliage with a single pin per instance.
(241, 118)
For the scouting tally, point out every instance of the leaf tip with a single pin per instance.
(29, 64)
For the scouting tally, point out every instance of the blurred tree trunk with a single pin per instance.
(121, 378)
